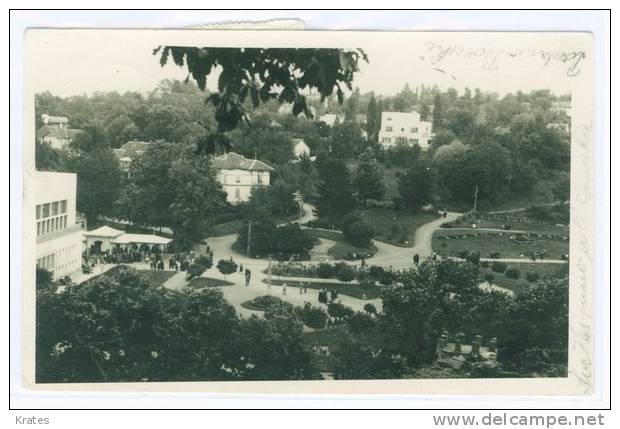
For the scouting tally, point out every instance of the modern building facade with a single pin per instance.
(238, 175)
(58, 235)
(405, 128)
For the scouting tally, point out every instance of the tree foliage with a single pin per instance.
(368, 178)
(261, 74)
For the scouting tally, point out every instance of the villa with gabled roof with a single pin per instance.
(238, 175)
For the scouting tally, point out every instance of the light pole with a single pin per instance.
(475, 201)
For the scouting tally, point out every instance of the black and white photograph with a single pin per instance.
(268, 206)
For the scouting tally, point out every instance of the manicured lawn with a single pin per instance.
(157, 278)
(395, 227)
(353, 290)
(233, 226)
(530, 227)
(201, 282)
(341, 249)
(262, 303)
(514, 285)
(226, 228)
(506, 247)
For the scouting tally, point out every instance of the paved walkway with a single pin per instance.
(177, 281)
(387, 256)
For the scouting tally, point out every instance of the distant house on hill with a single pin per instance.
(405, 128)
(55, 131)
(332, 119)
(129, 152)
(300, 148)
(238, 175)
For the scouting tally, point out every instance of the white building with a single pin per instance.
(332, 119)
(55, 131)
(58, 236)
(300, 148)
(238, 175)
(405, 128)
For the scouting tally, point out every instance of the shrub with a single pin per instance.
(205, 261)
(195, 270)
(532, 277)
(387, 278)
(463, 254)
(345, 273)
(498, 267)
(366, 284)
(325, 270)
(370, 308)
(265, 301)
(226, 266)
(339, 311)
(485, 264)
(513, 273)
(360, 323)
(313, 317)
(474, 258)
(358, 233)
(489, 278)
(376, 271)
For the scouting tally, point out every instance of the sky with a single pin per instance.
(75, 62)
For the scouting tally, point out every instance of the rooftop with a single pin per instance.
(233, 161)
(140, 239)
(104, 231)
(131, 149)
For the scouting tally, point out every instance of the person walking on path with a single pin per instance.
(416, 259)
(248, 275)
(241, 268)
(284, 289)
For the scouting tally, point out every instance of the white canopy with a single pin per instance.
(104, 231)
(140, 239)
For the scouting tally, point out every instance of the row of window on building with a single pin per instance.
(400, 140)
(227, 179)
(413, 129)
(50, 225)
(49, 261)
(51, 217)
(51, 209)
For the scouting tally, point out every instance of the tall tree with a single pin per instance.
(149, 192)
(416, 187)
(98, 182)
(261, 74)
(438, 112)
(368, 179)
(335, 191)
(197, 196)
(346, 139)
(373, 120)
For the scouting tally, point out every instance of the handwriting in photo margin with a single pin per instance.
(491, 57)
